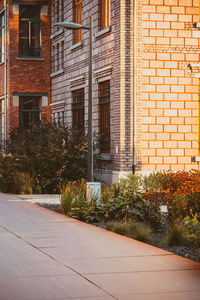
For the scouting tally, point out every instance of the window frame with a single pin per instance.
(58, 117)
(2, 37)
(78, 20)
(104, 111)
(104, 14)
(78, 111)
(33, 51)
(57, 58)
(30, 111)
(2, 120)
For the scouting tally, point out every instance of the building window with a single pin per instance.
(78, 110)
(29, 31)
(105, 14)
(57, 13)
(104, 102)
(1, 124)
(58, 57)
(2, 37)
(77, 19)
(29, 110)
(58, 118)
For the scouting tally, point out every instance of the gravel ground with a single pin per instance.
(52, 202)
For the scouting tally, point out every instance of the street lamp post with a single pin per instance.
(93, 188)
(75, 26)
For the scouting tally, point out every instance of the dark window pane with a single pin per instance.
(24, 29)
(2, 32)
(78, 109)
(105, 117)
(29, 31)
(29, 12)
(35, 35)
(29, 111)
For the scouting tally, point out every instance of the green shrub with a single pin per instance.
(24, 183)
(128, 194)
(193, 226)
(52, 155)
(176, 235)
(120, 228)
(142, 232)
(136, 230)
(121, 202)
(73, 195)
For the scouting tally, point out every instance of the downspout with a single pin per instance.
(5, 77)
(134, 87)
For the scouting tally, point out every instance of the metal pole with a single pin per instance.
(90, 128)
(5, 74)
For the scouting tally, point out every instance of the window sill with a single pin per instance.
(57, 33)
(104, 157)
(30, 58)
(57, 73)
(103, 32)
(77, 45)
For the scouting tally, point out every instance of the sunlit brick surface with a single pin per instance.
(170, 90)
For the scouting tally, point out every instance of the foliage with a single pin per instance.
(193, 226)
(52, 155)
(137, 230)
(24, 183)
(180, 191)
(142, 232)
(121, 202)
(72, 195)
(129, 191)
(177, 235)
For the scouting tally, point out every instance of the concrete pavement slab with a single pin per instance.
(164, 296)
(148, 282)
(47, 256)
(47, 287)
(130, 264)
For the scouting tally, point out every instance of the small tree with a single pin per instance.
(51, 155)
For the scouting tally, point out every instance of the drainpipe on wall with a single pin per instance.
(5, 76)
(134, 87)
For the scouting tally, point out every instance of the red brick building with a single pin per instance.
(24, 63)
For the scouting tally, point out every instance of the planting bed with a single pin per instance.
(188, 252)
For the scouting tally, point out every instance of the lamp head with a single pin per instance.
(71, 25)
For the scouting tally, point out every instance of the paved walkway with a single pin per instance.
(47, 256)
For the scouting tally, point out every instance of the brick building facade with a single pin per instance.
(145, 81)
(168, 84)
(24, 63)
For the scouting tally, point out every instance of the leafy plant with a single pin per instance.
(180, 191)
(121, 202)
(193, 226)
(52, 155)
(73, 195)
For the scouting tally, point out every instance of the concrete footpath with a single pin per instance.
(47, 256)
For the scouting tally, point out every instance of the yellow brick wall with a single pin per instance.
(168, 89)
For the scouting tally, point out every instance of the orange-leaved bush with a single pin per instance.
(180, 191)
